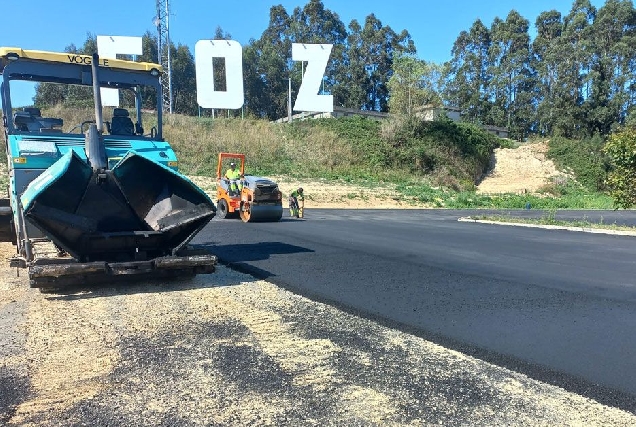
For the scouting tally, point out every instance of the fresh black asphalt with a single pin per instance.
(557, 305)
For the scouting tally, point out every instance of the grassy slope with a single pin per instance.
(435, 164)
(359, 150)
(349, 148)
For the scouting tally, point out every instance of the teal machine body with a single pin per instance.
(107, 194)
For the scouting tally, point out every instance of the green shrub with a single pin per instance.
(621, 180)
(453, 155)
(359, 133)
(585, 158)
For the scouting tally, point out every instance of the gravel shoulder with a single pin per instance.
(227, 349)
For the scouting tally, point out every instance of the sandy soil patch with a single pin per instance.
(519, 170)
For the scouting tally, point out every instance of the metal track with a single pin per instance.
(53, 271)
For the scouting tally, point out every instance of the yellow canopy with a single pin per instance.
(73, 58)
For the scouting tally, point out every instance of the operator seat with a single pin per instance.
(26, 120)
(33, 111)
(121, 123)
(30, 120)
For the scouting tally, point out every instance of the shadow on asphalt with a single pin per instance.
(238, 256)
(236, 253)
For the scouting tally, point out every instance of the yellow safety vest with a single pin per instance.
(232, 174)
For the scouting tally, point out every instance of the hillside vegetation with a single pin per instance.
(534, 75)
(436, 164)
(440, 153)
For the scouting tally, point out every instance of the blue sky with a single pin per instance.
(433, 25)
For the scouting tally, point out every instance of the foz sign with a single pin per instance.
(316, 56)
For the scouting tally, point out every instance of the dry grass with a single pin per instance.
(198, 141)
(316, 156)
(269, 147)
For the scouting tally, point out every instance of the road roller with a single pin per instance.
(252, 198)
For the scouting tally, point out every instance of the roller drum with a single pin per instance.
(261, 213)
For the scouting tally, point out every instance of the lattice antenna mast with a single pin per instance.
(163, 45)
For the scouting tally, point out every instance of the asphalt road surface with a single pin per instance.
(229, 349)
(559, 306)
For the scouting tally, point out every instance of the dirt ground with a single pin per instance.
(227, 349)
(326, 194)
(520, 170)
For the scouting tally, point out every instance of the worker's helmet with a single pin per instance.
(232, 164)
(300, 190)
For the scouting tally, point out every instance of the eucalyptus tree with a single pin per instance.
(512, 88)
(612, 75)
(468, 73)
(149, 54)
(546, 59)
(353, 82)
(184, 100)
(268, 61)
(575, 56)
(315, 24)
(183, 76)
(266, 67)
(381, 43)
(368, 64)
(357, 73)
(414, 83)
